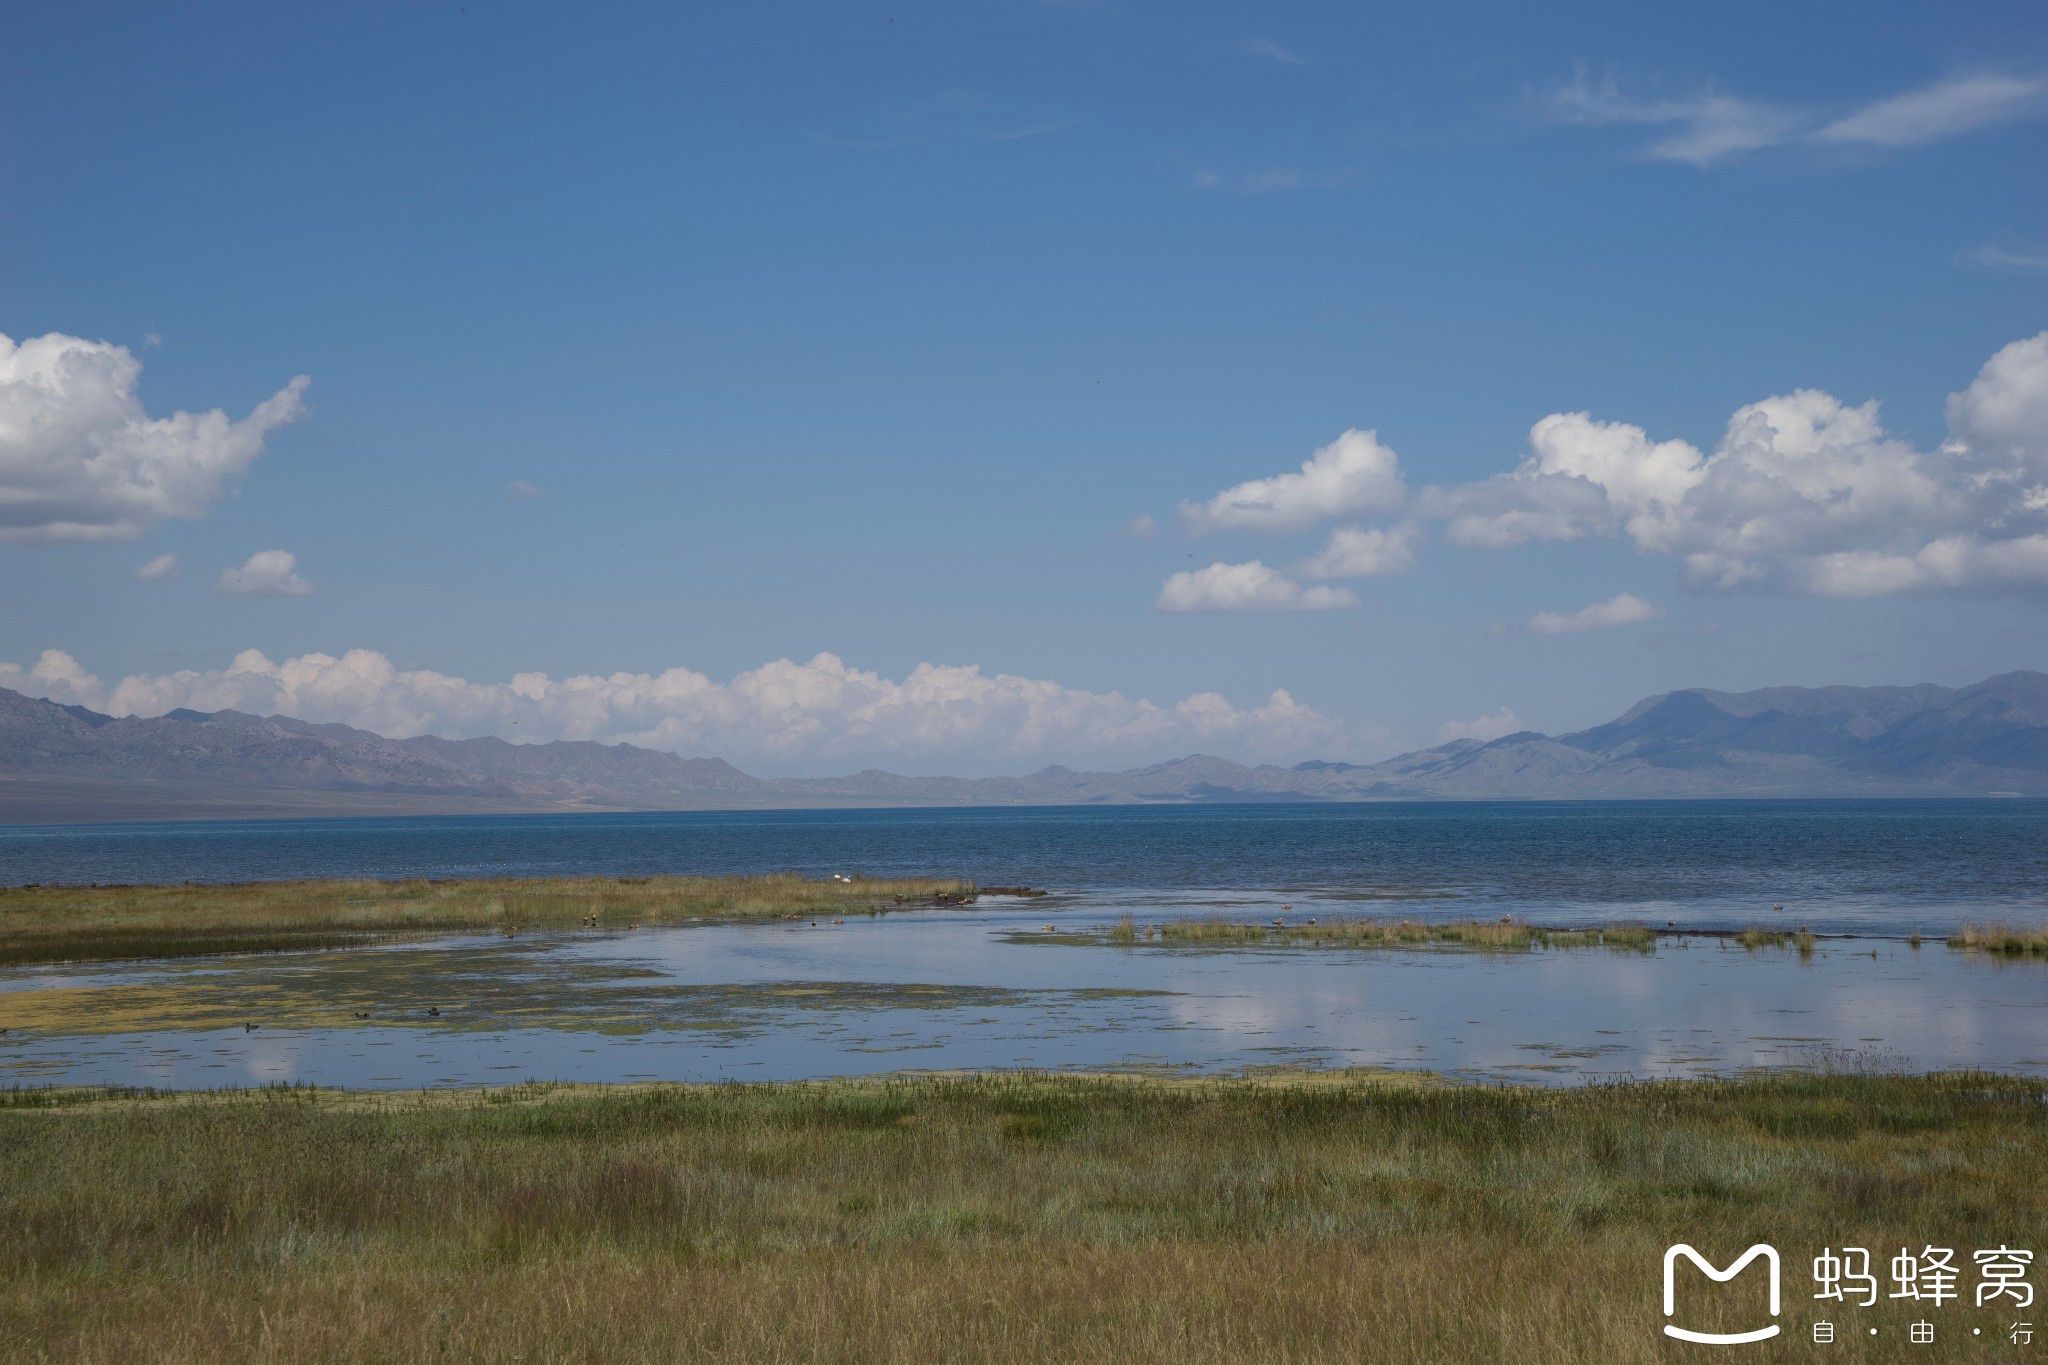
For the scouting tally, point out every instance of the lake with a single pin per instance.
(986, 987)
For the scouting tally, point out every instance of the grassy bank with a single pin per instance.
(977, 1219)
(77, 923)
(1506, 935)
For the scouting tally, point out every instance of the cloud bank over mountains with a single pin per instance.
(781, 713)
(81, 459)
(1803, 495)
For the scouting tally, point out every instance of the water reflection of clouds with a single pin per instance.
(271, 1061)
(1694, 1005)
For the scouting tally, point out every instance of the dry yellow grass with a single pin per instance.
(973, 1219)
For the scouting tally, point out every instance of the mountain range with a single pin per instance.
(64, 763)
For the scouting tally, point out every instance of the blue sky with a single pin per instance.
(650, 338)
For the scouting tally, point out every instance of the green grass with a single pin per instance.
(2006, 939)
(1030, 1218)
(79, 923)
(1504, 936)
(1799, 939)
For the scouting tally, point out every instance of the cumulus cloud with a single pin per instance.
(520, 488)
(1952, 106)
(1364, 552)
(1352, 475)
(268, 573)
(1804, 493)
(1251, 586)
(80, 458)
(1484, 728)
(1709, 127)
(159, 570)
(780, 714)
(1623, 609)
(55, 675)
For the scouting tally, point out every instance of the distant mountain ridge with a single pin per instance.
(66, 762)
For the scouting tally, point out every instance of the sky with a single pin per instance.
(965, 388)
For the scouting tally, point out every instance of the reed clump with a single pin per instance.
(2003, 938)
(1505, 936)
(52, 923)
(979, 1219)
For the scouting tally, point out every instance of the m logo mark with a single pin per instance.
(1671, 1255)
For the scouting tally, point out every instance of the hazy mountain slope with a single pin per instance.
(64, 762)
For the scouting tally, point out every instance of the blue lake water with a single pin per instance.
(975, 989)
(1849, 866)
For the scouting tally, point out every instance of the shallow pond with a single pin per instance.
(989, 988)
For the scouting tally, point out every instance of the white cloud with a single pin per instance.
(1140, 527)
(1268, 179)
(1803, 492)
(1272, 51)
(1991, 256)
(1250, 586)
(1623, 609)
(1710, 127)
(1484, 728)
(1954, 105)
(778, 715)
(268, 573)
(1354, 474)
(55, 675)
(1707, 127)
(1364, 552)
(955, 117)
(159, 570)
(520, 488)
(1582, 478)
(80, 458)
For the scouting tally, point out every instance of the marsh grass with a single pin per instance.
(1021, 1218)
(1502, 936)
(2006, 939)
(91, 923)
